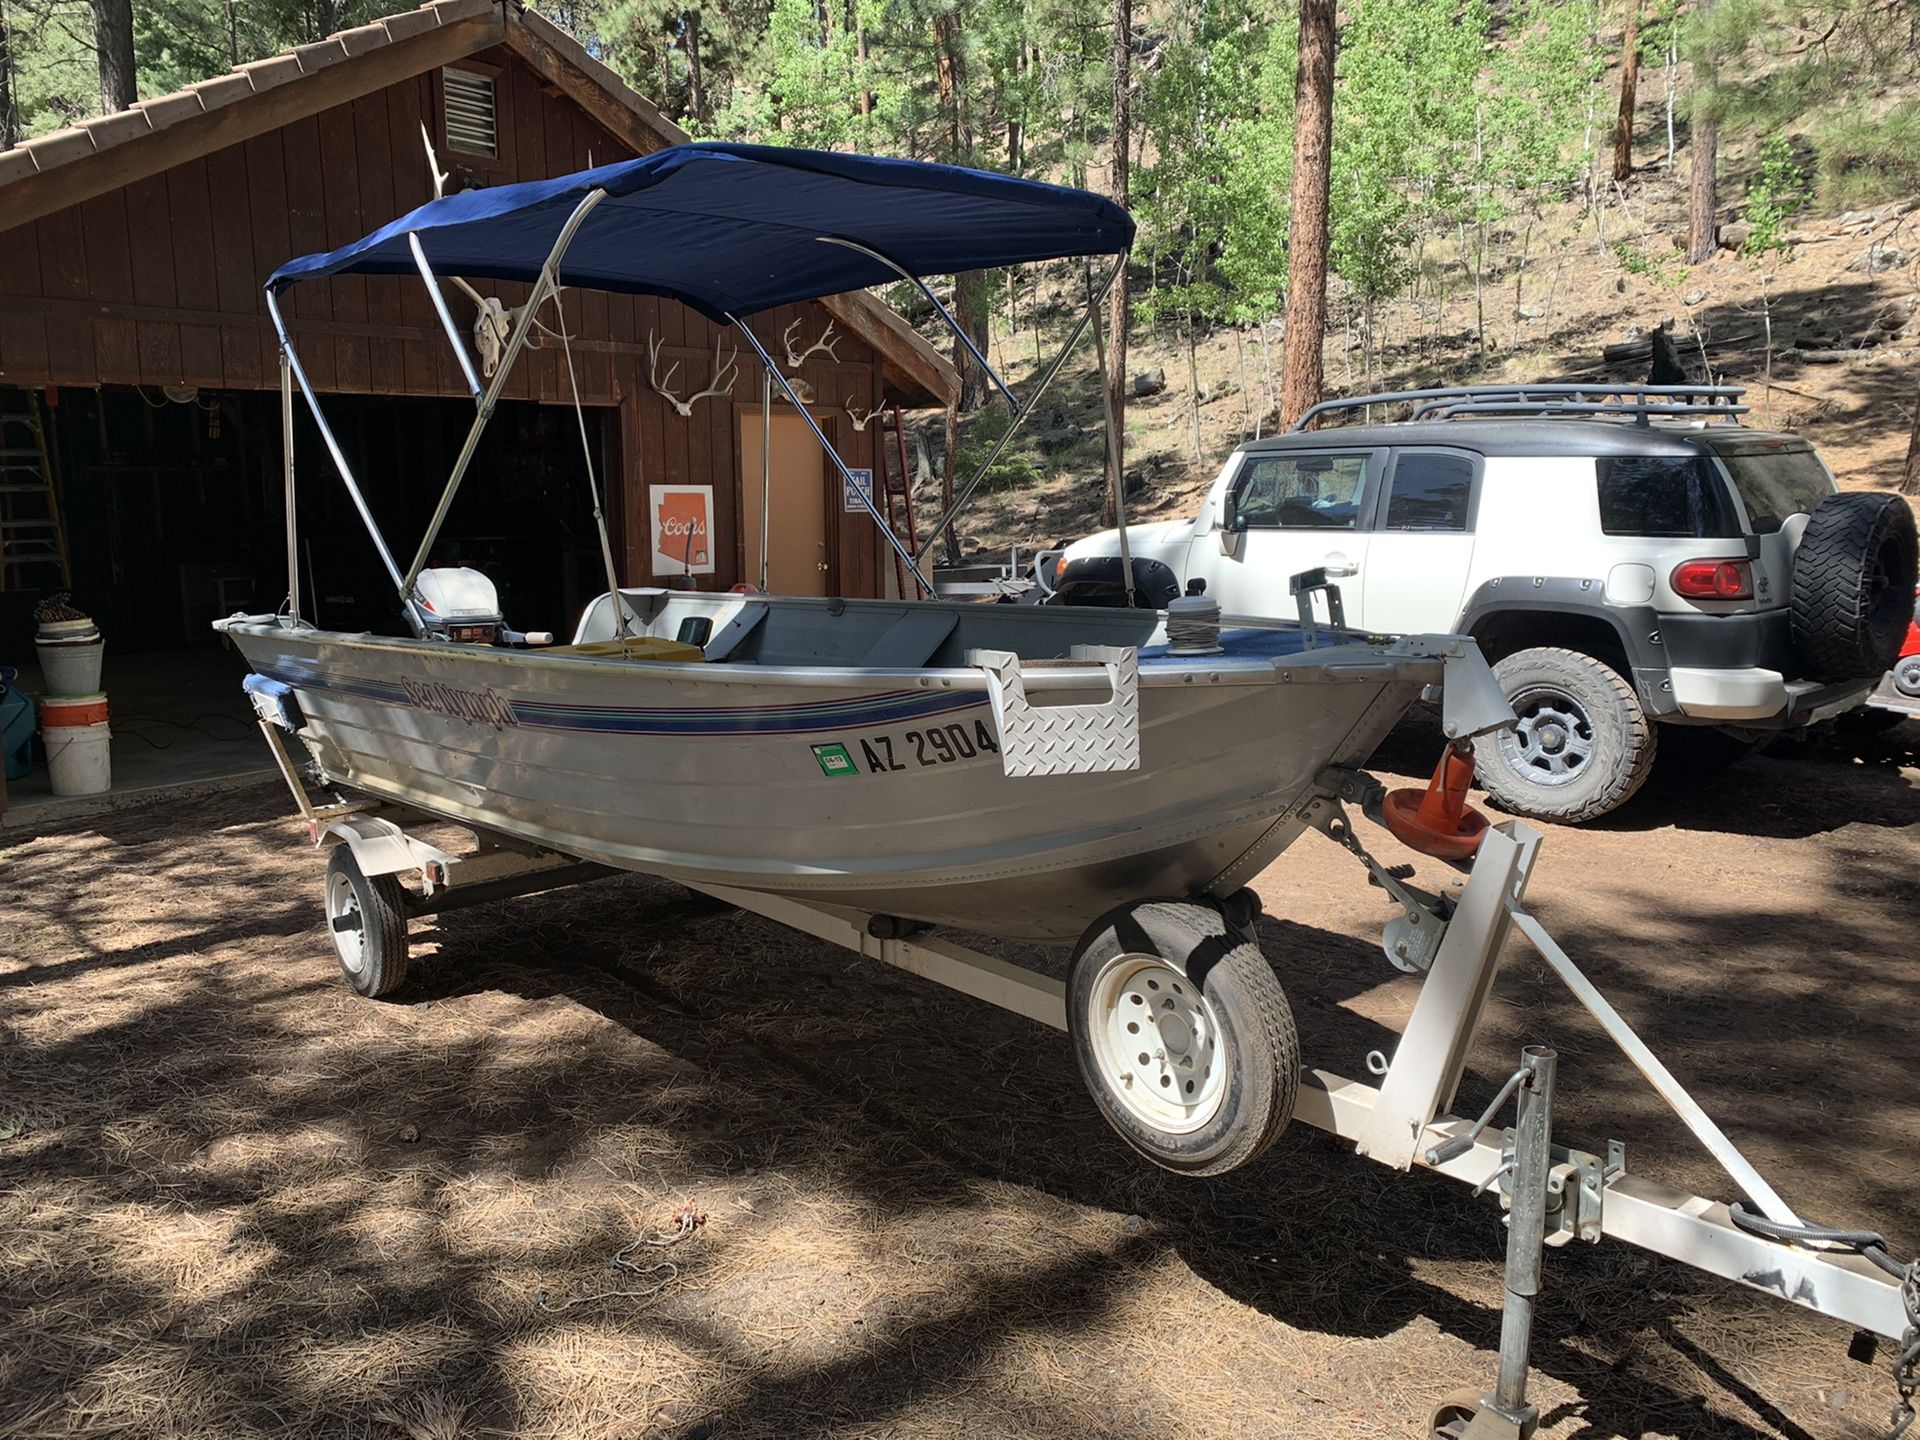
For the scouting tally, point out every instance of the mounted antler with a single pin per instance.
(493, 326)
(720, 384)
(826, 342)
(859, 420)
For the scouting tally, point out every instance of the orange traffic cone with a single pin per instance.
(1438, 821)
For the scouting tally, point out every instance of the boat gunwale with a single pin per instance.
(1330, 664)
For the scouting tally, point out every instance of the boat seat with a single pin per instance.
(911, 640)
(745, 621)
(634, 647)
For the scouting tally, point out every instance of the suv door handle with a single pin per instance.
(1339, 567)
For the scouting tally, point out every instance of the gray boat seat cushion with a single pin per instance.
(911, 640)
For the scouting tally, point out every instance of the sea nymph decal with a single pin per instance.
(474, 707)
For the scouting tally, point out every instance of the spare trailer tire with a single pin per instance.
(1853, 579)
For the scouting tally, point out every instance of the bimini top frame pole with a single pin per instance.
(326, 435)
(954, 325)
(965, 492)
(542, 288)
(846, 476)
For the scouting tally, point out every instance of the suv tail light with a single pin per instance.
(1714, 579)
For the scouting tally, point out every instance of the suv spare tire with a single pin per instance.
(1853, 577)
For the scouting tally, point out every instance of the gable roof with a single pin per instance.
(64, 168)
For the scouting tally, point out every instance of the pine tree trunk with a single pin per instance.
(1193, 389)
(1300, 372)
(1910, 482)
(1704, 145)
(696, 85)
(9, 116)
(1629, 88)
(860, 53)
(1702, 200)
(113, 34)
(970, 289)
(946, 484)
(970, 308)
(1120, 307)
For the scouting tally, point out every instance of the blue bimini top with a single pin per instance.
(735, 229)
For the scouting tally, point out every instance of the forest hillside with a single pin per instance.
(1497, 189)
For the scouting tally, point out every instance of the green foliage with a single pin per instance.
(1663, 267)
(1212, 204)
(1772, 195)
(1405, 122)
(1014, 469)
(1823, 69)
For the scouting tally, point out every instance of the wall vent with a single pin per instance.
(473, 126)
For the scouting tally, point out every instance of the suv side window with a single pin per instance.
(1430, 490)
(1301, 492)
(1665, 495)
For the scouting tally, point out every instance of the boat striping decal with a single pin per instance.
(808, 717)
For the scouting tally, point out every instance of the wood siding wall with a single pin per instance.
(159, 283)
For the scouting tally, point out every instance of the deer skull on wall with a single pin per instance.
(493, 325)
(721, 382)
(859, 420)
(826, 342)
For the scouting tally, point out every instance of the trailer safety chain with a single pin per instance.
(1906, 1366)
(1872, 1246)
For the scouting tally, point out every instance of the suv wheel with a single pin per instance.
(1582, 745)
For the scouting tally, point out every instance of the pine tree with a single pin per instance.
(1121, 312)
(1629, 87)
(1300, 377)
(1703, 230)
(113, 39)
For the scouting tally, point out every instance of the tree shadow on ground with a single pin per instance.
(239, 1197)
(1803, 784)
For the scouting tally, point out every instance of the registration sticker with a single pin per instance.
(834, 760)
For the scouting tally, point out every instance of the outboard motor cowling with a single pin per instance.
(459, 603)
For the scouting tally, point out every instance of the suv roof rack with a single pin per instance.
(1452, 402)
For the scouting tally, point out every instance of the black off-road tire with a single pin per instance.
(1853, 579)
(373, 957)
(1256, 1046)
(1619, 737)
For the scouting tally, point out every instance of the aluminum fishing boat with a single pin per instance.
(1010, 769)
(854, 768)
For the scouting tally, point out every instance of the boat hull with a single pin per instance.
(877, 790)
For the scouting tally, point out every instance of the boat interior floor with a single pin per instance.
(681, 626)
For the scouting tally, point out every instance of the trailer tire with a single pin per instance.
(367, 918)
(1209, 1083)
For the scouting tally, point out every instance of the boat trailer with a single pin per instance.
(1554, 1193)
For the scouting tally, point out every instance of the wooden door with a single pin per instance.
(800, 559)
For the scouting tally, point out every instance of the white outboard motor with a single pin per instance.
(460, 604)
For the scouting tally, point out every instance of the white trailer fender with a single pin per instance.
(381, 847)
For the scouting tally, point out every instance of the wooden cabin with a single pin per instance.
(139, 406)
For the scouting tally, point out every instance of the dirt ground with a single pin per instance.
(235, 1200)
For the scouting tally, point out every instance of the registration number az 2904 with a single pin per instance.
(932, 745)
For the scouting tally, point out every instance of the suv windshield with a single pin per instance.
(1777, 482)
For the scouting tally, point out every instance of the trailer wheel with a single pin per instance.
(1453, 1415)
(369, 925)
(1183, 1036)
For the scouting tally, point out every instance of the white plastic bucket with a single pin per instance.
(71, 669)
(78, 759)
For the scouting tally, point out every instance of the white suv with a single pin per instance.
(1623, 555)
